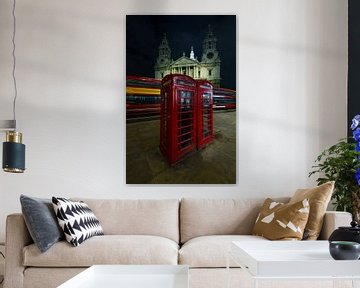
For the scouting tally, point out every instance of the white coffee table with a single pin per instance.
(131, 276)
(300, 260)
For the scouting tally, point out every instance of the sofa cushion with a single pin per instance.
(41, 221)
(200, 217)
(159, 217)
(279, 221)
(77, 220)
(107, 249)
(319, 198)
(211, 251)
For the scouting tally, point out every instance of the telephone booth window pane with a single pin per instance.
(206, 114)
(185, 118)
(165, 112)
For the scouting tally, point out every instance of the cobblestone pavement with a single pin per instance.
(215, 164)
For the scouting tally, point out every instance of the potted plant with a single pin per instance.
(341, 163)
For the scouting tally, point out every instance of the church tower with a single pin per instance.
(164, 59)
(210, 59)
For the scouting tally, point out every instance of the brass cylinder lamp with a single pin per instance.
(13, 153)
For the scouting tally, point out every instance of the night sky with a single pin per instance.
(145, 32)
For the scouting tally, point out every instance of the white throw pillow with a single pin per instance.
(77, 220)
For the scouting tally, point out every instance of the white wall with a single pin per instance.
(292, 63)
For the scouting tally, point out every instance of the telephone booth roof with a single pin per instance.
(206, 82)
(178, 76)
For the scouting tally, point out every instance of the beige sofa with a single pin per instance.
(194, 232)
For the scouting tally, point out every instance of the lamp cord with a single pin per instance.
(14, 61)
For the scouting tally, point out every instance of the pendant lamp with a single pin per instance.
(13, 160)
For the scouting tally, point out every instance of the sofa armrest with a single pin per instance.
(17, 237)
(333, 220)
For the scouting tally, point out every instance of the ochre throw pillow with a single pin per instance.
(319, 198)
(279, 221)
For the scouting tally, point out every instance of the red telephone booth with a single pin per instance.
(177, 117)
(205, 123)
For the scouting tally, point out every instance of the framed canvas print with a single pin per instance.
(181, 99)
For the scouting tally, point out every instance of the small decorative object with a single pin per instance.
(341, 163)
(344, 233)
(344, 250)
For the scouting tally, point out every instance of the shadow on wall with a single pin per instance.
(84, 53)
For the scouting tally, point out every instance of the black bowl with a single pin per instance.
(344, 250)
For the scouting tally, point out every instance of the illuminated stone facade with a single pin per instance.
(207, 68)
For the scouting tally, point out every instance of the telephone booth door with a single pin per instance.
(177, 117)
(205, 126)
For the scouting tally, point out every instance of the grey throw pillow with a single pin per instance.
(41, 221)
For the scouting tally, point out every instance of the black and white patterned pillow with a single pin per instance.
(77, 220)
